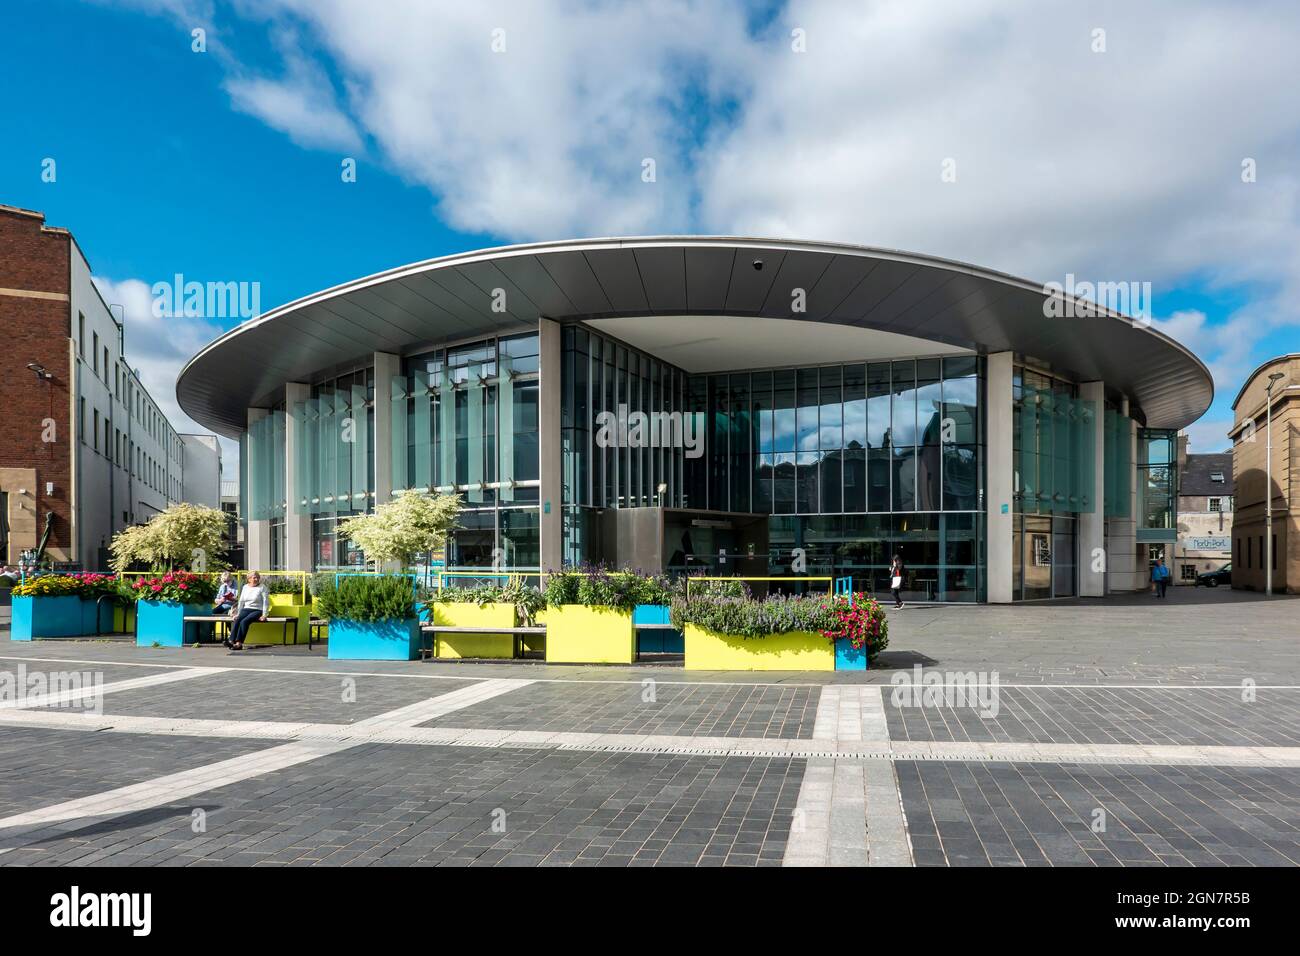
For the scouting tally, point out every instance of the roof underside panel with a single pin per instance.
(503, 290)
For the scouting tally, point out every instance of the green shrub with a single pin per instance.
(282, 584)
(741, 617)
(597, 586)
(527, 599)
(383, 597)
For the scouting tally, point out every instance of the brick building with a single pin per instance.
(1249, 446)
(84, 449)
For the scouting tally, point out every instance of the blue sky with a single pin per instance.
(1114, 164)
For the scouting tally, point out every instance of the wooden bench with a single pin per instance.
(427, 653)
(226, 619)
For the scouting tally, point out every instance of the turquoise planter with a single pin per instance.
(395, 640)
(163, 623)
(848, 659)
(89, 611)
(657, 641)
(46, 617)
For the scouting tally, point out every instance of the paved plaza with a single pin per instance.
(1118, 733)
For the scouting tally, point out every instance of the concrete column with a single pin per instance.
(998, 471)
(387, 367)
(257, 534)
(1092, 525)
(549, 460)
(1121, 561)
(297, 522)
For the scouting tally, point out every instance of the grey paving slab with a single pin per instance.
(251, 695)
(40, 768)
(647, 708)
(388, 804)
(1200, 717)
(104, 671)
(1018, 814)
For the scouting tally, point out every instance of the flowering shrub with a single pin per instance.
(49, 585)
(410, 524)
(185, 534)
(179, 586)
(860, 621)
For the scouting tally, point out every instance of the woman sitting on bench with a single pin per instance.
(252, 606)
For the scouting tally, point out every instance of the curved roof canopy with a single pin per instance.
(906, 295)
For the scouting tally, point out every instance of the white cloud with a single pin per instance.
(157, 347)
(301, 104)
(1123, 165)
(1210, 434)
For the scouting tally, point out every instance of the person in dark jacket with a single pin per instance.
(896, 575)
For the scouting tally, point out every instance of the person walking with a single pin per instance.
(896, 572)
(1160, 576)
(252, 606)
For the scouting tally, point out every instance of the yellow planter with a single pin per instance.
(270, 633)
(796, 651)
(578, 634)
(468, 614)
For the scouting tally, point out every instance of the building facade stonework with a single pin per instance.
(1254, 488)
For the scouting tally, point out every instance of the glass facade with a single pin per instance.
(334, 468)
(820, 449)
(1053, 439)
(846, 463)
(262, 457)
(465, 420)
(1157, 479)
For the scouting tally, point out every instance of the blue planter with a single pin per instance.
(89, 610)
(848, 659)
(394, 640)
(46, 617)
(656, 641)
(163, 623)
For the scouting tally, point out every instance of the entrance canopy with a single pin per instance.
(836, 302)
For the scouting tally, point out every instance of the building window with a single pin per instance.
(1216, 504)
(81, 420)
(81, 334)
(94, 353)
(96, 432)
(1216, 476)
(106, 365)
(1189, 572)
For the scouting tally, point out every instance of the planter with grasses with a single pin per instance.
(372, 618)
(490, 605)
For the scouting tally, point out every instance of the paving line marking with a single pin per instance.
(175, 786)
(641, 679)
(160, 791)
(797, 748)
(849, 812)
(76, 695)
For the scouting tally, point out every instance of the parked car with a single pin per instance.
(1212, 579)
